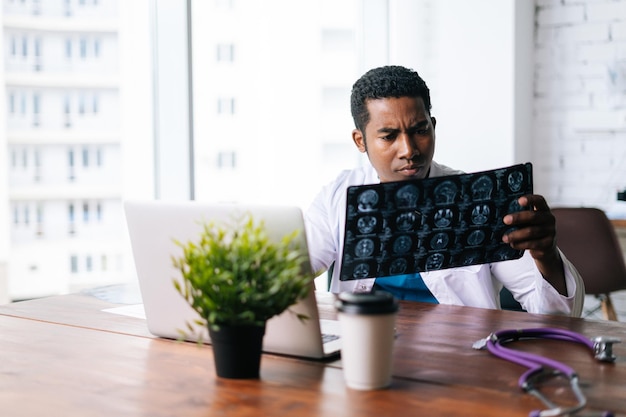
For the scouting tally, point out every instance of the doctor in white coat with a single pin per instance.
(393, 125)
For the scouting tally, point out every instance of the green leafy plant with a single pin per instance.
(239, 276)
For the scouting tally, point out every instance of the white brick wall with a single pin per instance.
(579, 143)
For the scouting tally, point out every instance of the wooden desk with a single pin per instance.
(619, 223)
(64, 356)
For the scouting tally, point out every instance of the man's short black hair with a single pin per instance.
(384, 82)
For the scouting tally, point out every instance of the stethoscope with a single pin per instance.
(539, 367)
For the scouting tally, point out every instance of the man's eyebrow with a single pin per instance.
(388, 130)
(418, 125)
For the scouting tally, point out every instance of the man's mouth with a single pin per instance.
(410, 170)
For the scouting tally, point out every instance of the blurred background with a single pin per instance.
(248, 101)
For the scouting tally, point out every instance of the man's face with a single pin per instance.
(399, 139)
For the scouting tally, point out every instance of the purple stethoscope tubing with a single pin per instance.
(600, 346)
(533, 362)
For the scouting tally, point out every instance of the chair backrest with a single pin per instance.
(588, 239)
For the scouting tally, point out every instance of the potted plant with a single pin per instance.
(236, 278)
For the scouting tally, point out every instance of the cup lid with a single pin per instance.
(376, 302)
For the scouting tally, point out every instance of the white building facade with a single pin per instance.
(62, 146)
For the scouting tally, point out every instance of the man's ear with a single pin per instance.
(359, 140)
(434, 121)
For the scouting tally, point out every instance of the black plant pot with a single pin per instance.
(237, 351)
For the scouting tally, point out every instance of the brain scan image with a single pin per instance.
(366, 224)
(434, 261)
(445, 193)
(361, 271)
(480, 214)
(406, 221)
(406, 196)
(364, 248)
(475, 238)
(515, 181)
(443, 217)
(470, 257)
(368, 200)
(482, 188)
(514, 206)
(439, 241)
(402, 245)
(398, 266)
(503, 253)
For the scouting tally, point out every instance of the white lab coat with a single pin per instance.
(476, 285)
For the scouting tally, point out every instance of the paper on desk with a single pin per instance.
(133, 310)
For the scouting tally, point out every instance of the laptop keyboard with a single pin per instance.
(329, 337)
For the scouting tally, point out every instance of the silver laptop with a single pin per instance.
(154, 225)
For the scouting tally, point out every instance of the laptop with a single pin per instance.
(153, 225)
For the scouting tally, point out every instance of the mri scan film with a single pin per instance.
(436, 223)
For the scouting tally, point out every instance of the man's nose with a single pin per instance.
(407, 146)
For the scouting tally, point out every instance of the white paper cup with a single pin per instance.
(367, 331)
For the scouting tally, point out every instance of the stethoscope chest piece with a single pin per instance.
(603, 348)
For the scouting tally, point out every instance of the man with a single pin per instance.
(391, 111)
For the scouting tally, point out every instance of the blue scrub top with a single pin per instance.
(406, 287)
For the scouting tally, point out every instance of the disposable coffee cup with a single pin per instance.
(367, 323)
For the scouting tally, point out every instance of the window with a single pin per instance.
(35, 109)
(98, 157)
(74, 264)
(37, 161)
(70, 164)
(226, 105)
(88, 263)
(94, 103)
(99, 211)
(26, 215)
(39, 213)
(227, 160)
(37, 54)
(83, 48)
(24, 47)
(225, 52)
(67, 111)
(85, 157)
(96, 47)
(85, 212)
(12, 103)
(68, 48)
